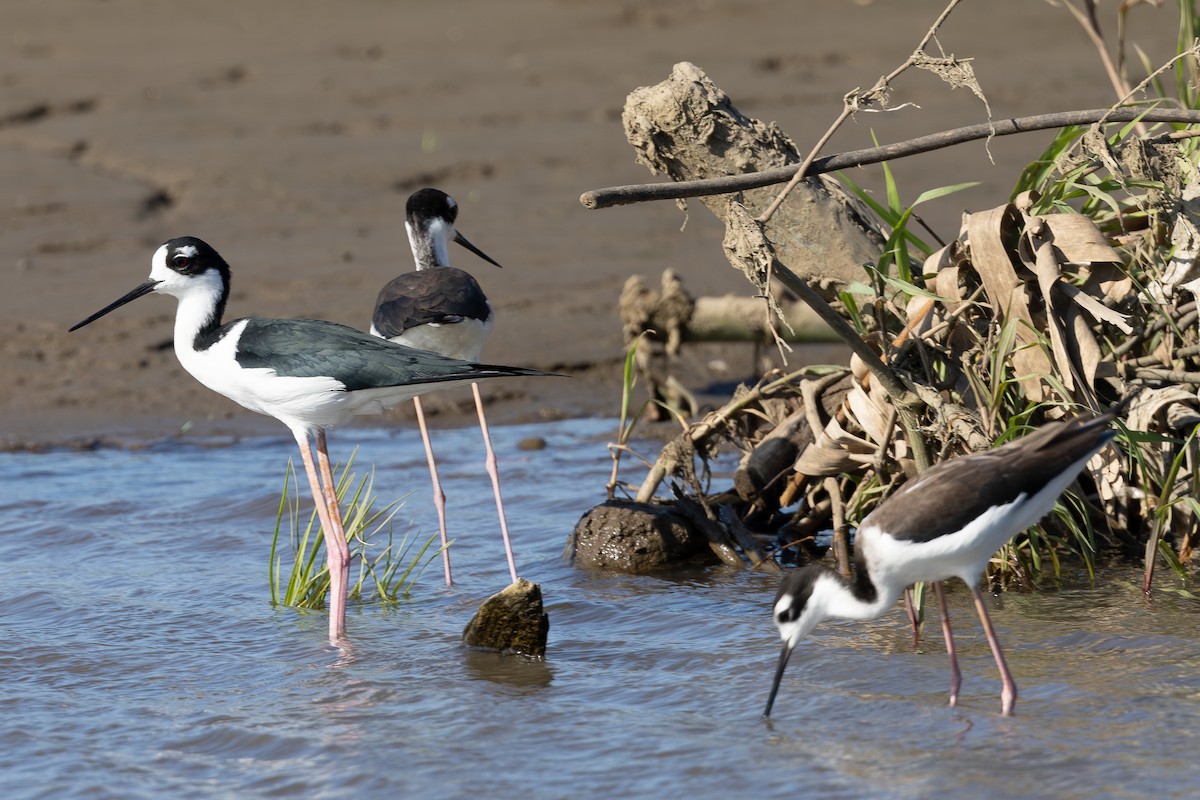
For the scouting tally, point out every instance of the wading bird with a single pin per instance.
(441, 309)
(308, 374)
(946, 523)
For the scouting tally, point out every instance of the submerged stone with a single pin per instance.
(511, 621)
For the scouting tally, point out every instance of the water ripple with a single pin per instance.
(141, 657)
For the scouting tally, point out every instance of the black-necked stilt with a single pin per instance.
(306, 373)
(947, 523)
(444, 310)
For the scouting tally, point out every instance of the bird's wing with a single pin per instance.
(933, 504)
(439, 296)
(309, 348)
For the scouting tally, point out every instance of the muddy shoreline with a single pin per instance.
(289, 137)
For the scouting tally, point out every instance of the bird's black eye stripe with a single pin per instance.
(788, 614)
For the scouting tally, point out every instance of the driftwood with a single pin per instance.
(689, 129)
(672, 316)
(1018, 321)
(611, 196)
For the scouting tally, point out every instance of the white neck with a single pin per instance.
(833, 596)
(197, 307)
(430, 247)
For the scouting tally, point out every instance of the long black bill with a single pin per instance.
(783, 659)
(458, 237)
(145, 288)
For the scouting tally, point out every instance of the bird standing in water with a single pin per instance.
(308, 374)
(946, 523)
(441, 309)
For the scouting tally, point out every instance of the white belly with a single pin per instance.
(463, 340)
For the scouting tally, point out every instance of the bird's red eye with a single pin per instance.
(181, 262)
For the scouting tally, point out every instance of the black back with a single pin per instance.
(949, 495)
(442, 295)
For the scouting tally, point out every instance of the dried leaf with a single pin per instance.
(1097, 309)
(1147, 410)
(834, 452)
(869, 414)
(1048, 273)
(944, 265)
(1108, 472)
(1185, 244)
(987, 232)
(1079, 240)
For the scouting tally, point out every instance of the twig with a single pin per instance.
(1184, 315)
(1164, 376)
(851, 103)
(1152, 360)
(1090, 23)
(841, 534)
(639, 193)
(706, 427)
(1173, 136)
(1193, 51)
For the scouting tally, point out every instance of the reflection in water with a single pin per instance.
(140, 656)
(509, 670)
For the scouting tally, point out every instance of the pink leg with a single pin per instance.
(955, 673)
(494, 473)
(337, 550)
(439, 497)
(911, 608)
(337, 602)
(1008, 694)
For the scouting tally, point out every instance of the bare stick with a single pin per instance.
(639, 193)
(841, 532)
(851, 103)
(707, 427)
(1089, 20)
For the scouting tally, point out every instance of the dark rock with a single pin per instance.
(624, 536)
(511, 621)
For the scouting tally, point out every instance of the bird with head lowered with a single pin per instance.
(946, 523)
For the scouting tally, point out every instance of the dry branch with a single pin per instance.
(673, 316)
(639, 193)
(689, 129)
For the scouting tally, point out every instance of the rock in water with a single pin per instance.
(637, 538)
(511, 621)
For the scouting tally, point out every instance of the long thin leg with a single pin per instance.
(910, 607)
(1008, 694)
(955, 672)
(337, 607)
(439, 497)
(494, 473)
(336, 547)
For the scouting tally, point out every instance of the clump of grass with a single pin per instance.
(387, 568)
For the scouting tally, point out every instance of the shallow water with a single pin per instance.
(140, 656)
